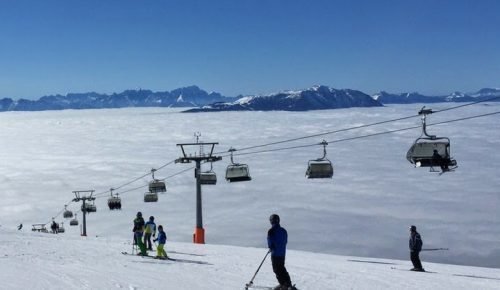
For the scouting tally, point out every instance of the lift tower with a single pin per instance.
(84, 198)
(198, 157)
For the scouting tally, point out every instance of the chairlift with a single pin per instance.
(156, 185)
(236, 171)
(60, 229)
(73, 222)
(39, 228)
(429, 150)
(150, 197)
(114, 202)
(89, 207)
(67, 213)
(321, 167)
(208, 177)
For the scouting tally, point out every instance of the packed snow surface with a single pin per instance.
(48, 261)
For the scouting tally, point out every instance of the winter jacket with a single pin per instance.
(415, 242)
(277, 237)
(138, 224)
(162, 238)
(150, 228)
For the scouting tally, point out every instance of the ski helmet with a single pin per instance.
(151, 218)
(413, 228)
(139, 214)
(274, 219)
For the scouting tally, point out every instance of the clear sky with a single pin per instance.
(247, 46)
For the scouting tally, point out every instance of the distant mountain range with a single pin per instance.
(408, 98)
(191, 96)
(314, 98)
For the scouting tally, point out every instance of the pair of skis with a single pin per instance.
(168, 259)
(250, 284)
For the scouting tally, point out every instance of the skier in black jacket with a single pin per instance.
(415, 244)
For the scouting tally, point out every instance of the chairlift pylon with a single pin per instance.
(236, 172)
(429, 150)
(321, 167)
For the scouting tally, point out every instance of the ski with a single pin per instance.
(189, 254)
(410, 270)
(251, 286)
(258, 287)
(169, 259)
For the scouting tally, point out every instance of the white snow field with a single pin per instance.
(47, 261)
(363, 211)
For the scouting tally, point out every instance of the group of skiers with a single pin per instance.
(277, 238)
(142, 236)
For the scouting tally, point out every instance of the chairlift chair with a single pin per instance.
(114, 202)
(321, 167)
(429, 150)
(208, 177)
(236, 172)
(67, 213)
(73, 222)
(156, 185)
(89, 207)
(150, 197)
(39, 228)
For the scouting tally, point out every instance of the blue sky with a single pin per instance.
(247, 46)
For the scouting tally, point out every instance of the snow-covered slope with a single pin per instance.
(47, 261)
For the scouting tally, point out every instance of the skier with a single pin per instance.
(20, 226)
(149, 229)
(415, 244)
(54, 226)
(138, 230)
(277, 237)
(162, 238)
(439, 160)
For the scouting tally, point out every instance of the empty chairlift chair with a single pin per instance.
(236, 172)
(73, 222)
(60, 229)
(321, 167)
(208, 177)
(431, 151)
(89, 207)
(67, 213)
(156, 185)
(150, 197)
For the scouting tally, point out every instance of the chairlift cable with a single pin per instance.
(310, 145)
(358, 127)
(368, 135)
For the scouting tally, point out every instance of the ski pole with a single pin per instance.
(251, 281)
(436, 249)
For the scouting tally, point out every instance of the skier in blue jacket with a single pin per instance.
(277, 238)
(162, 239)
